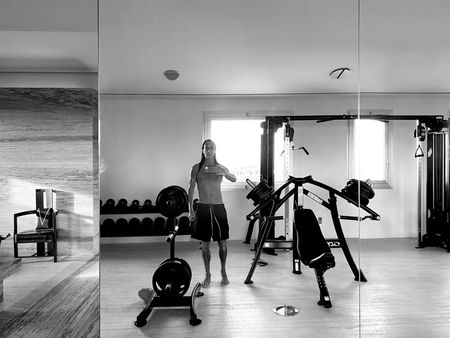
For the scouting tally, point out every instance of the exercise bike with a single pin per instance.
(172, 278)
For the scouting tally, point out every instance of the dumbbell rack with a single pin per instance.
(128, 214)
(139, 214)
(170, 201)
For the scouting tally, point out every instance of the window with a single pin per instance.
(369, 151)
(238, 142)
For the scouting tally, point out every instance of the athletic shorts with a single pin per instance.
(210, 222)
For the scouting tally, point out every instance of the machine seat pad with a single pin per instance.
(323, 262)
(310, 241)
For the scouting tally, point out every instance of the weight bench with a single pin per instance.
(313, 249)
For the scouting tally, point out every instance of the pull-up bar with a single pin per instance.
(326, 118)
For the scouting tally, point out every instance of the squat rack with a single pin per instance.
(433, 122)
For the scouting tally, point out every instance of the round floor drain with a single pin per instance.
(285, 310)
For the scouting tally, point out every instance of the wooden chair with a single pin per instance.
(44, 235)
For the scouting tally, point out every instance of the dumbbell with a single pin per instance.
(135, 205)
(134, 226)
(195, 204)
(107, 227)
(184, 225)
(158, 226)
(146, 228)
(122, 205)
(147, 205)
(108, 207)
(121, 228)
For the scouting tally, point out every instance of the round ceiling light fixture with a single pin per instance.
(339, 73)
(171, 74)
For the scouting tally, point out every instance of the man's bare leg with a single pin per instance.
(223, 260)
(206, 255)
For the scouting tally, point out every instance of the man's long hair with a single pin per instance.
(203, 159)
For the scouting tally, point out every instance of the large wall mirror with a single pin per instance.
(239, 63)
(404, 51)
(331, 119)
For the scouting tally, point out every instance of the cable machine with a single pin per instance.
(433, 183)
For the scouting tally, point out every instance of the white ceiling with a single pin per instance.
(48, 36)
(233, 46)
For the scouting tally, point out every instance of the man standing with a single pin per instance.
(210, 219)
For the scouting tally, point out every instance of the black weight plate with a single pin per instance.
(174, 273)
(188, 268)
(353, 186)
(260, 192)
(172, 201)
(182, 261)
(367, 190)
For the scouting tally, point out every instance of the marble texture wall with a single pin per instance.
(49, 139)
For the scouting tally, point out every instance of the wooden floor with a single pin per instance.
(46, 299)
(407, 293)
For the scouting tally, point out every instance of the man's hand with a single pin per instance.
(221, 170)
(191, 215)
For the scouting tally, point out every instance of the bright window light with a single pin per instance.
(238, 146)
(370, 149)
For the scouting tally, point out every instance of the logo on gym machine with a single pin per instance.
(334, 243)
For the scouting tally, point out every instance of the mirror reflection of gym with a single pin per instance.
(151, 129)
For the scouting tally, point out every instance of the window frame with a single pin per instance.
(352, 172)
(208, 116)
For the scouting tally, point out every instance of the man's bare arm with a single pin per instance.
(191, 190)
(226, 173)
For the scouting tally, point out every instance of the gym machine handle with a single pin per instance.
(266, 218)
(250, 183)
(172, 235)
(354, 218)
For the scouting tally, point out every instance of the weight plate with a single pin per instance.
(171, 279)
(181, 261)
(172, 201)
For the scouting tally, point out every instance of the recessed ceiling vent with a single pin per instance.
(171, 74)
(338, 73)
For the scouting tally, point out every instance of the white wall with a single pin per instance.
(48, 80)
(150, 142)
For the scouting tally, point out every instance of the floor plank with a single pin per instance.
(67, 307)
(393, 302)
